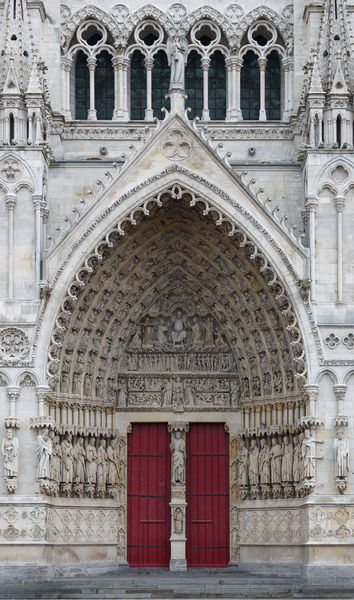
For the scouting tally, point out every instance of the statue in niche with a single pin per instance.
(112, 474)
(264, 462)
(102, 463)
(276, 457)
(243, 464)
(44, 452)
(177, 52)
(308, 451)
(167, 392)
(67, 467)
(287, 461)
(9, 449)
(197, 334)
(178, 328)
(209, 332)
(148, 333)
(55, 462)
(178, 395)
(341, 450)
(178, 521)
(79, 454)
(178, 448)
(253, 473)
(219, 341)
(161, 334)
(91, 467)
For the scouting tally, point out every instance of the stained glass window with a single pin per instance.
(160, 83)
(82, 86)
(137, 86)
(104, 86)
(250, 87)
(272, 86)
(194, 84)
(217, 86)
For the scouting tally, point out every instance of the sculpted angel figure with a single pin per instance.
(10, 452)
(44, 452)
(177, 53)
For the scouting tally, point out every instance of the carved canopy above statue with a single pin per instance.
(177, 315)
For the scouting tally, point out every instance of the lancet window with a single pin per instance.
(263, 79)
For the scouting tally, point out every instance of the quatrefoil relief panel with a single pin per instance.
(14, 344)
(176, 145)
(10, 169)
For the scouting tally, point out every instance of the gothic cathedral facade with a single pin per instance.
(177, 283)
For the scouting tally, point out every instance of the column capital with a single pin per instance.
(120, 61)
(340, 390)
(205, 62)
(311, 203)
(11, 200)
(91, 63)
(148, 63)
(287, 63)
(37, 200)
(262, 62)
(13, 392)
(312, 390)
(339, 203)
(67, 62)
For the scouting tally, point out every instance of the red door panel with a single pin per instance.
(207, 525)
(149, 494)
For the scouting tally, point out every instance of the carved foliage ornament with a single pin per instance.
(14, 344)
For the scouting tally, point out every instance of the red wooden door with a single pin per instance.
(207, 491)
(149, 494)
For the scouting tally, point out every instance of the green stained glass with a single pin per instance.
(137, 86)
(194, 84)
(272, 86)
(250, 87)
(104, 86)
(217, 87)
(82, 86)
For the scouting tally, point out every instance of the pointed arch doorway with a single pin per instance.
(177, 323)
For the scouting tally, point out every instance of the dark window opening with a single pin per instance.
(339, 130)
(104, 86)
(160, 83)
(12, 128)
(272, 87)
(137, 86)
(217, 87)
(250, 87)
(82, 87)
(194, 85)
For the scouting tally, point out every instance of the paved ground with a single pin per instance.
(137, 584)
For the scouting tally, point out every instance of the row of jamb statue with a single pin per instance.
(88, 465)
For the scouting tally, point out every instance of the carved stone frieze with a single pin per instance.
(272, 526)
